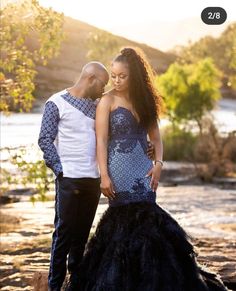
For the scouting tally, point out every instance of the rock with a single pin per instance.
(219, 256)
(179, 174)
(40, 281)
(6, 199)
(225, 182)
(206, 213)
(21, 192)
(15, 195)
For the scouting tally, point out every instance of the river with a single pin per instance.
(205, 211)
(23, 128)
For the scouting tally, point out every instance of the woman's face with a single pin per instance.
(120, 76)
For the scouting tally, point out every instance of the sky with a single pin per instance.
(108, 13)
(161, 24)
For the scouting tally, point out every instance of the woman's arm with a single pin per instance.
(155, 172)
(155, 138)
(102, 125)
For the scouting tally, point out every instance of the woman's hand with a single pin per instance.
(155, 173)
(107, 187)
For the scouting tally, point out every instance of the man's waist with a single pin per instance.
(76, 170)
(79, 161)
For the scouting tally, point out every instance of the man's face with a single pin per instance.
(98, 85)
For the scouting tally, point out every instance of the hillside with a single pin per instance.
(63, 70)
(168, 34)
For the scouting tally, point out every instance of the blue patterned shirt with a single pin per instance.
(49, 127)
(48, 133)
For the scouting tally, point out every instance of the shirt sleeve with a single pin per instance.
(47, 135)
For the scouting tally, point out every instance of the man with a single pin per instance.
(67, 138)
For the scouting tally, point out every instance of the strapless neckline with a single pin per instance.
(124, 108)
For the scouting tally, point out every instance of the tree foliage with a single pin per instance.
(189, 90)
(102, 47)
(34, 173)
(222, 50)
(21, 21)
(26, 170)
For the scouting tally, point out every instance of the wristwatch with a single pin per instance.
(159, 161)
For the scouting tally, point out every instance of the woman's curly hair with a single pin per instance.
(144, 96)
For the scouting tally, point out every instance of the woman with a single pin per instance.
(137, 245)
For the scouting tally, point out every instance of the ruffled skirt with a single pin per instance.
(140, 247)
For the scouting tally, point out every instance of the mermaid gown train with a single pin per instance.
(137, 245)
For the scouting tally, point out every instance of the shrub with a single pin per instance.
(178, 144)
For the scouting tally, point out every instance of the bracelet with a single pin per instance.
(158, 161)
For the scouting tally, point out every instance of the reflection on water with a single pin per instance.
(225, 115)
(23, 128)
(20, 129)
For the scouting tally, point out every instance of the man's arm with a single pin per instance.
(48, 133)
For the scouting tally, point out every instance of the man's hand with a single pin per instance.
(151, 151)
(60, 176)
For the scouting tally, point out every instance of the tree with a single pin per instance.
(102, 46)
(221, 49)
(228, 39)
(21, 21)
(190, 90)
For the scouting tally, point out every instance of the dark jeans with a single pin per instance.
(75, 208)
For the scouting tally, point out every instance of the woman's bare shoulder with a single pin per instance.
(109, 94)
(107, 98)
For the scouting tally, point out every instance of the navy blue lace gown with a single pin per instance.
(138, 246)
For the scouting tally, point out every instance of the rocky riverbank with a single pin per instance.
(205, 211)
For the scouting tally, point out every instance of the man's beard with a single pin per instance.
(94, 95)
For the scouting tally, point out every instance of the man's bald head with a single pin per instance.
(93, 79)
(94, 68)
